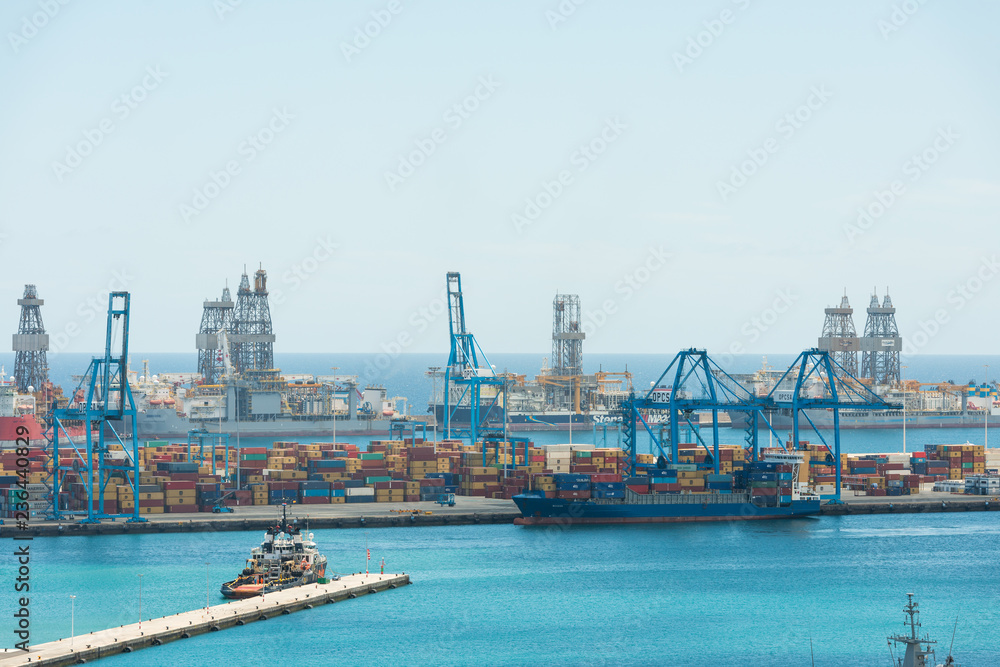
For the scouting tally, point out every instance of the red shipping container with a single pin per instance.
(763, 491)
(181, 509)
(606, 478)
(315, 500)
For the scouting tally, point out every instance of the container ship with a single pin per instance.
(671, 493)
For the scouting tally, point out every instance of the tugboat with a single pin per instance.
(917, 650)
(282, 560)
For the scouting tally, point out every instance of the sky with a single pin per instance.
(708, 174)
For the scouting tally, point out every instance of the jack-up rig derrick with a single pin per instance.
(107, 413)
(840, 338)
(881, 344)
(467, 373)
(217, 316)
(31, 371)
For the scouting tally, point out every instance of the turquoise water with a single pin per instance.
(750, 593)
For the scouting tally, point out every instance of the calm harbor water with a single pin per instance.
(750, 593)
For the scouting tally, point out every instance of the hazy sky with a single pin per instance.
(694, 171)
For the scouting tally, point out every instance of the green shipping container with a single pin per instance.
(582, 455)
(372, 480)
(253, 457)
(371, 456)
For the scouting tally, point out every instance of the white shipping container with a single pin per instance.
(360, 491)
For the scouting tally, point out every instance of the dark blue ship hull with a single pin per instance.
(536, 510)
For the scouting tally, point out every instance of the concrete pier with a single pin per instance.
(468, 511)
(159, 631)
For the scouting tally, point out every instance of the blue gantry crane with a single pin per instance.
(820, 384)
(108, 414)
(467, 374)
(698, 383)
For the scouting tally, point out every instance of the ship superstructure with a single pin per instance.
(284, 559)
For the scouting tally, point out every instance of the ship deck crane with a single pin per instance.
(468, 372)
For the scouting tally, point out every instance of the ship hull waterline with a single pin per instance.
(551, 511)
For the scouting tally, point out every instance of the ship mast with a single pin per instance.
(916, 654)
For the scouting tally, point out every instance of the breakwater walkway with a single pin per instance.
(157, 631)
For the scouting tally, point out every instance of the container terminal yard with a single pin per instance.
(104, 474)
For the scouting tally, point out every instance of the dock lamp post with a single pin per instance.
(989, 408)
(206, 587)
(72, 619)
(433, 373)
(140, 602)
(904, 408)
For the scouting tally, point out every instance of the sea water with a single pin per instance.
(740, 593)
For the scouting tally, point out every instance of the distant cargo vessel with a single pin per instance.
(277, 407)
(928, 405)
